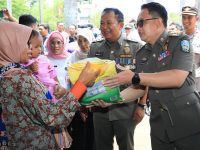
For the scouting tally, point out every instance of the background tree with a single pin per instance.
(95, 19)
(52, 13)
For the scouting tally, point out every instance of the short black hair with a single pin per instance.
(27, 19)
(46, 26)
(119, 15)
(156, 10)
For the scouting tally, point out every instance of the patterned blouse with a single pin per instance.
(29, 117)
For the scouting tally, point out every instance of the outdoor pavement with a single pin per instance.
(142, 136)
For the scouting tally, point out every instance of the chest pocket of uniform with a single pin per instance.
(164, 63)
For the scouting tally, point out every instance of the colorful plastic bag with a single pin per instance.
(97, 91)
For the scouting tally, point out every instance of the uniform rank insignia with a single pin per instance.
(163, 55)
(185, 46)
(126, 58)
(98, 54)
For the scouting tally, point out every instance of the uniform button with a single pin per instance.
(188, 103)
(157, 91)
(163, 64)
(161, 109)
(154, 55)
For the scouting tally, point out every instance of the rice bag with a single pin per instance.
(98, 90)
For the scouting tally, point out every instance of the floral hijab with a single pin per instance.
(13, 40)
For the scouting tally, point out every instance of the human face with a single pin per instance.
(128, 30)
(25, 56)
(110, 27)
(43, 31)
(189, 23)
(72, 30)
(61, 27)
(83, 43)
(57, 46)
(172, 29)
(147, 30)
(34, 26)
(35, 46)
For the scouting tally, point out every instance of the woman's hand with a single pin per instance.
(124, 77)
(34, 67)
(89, 74)
(59, 91)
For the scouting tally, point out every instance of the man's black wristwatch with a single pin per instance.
(136, 79)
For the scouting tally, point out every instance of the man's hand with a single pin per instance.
(101, 103)
(124, 77)
(9, 16)
(138, 115)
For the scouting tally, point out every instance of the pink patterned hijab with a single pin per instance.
(13, 40)
(52, 36)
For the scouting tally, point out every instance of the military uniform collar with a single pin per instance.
(120, 40)
(191, 36)
(163, 38)
(161, 41)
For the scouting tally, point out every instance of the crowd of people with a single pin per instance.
(160, 64)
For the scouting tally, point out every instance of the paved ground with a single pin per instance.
(142, 136)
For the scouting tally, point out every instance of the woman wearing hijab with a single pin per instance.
(57, 54)
(84, 38)
(81, 127)
(30, 119)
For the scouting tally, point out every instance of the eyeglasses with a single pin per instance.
(140, 23)
(59, 43)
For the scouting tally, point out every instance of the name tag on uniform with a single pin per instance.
(163, 55)
(99, 54)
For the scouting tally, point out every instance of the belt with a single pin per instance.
(99, 109)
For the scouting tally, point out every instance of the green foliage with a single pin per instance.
(174, 17)
(51, 13)
(95, 19)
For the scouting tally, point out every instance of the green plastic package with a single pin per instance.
(97, 91)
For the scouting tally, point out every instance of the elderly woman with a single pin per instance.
(29, 117)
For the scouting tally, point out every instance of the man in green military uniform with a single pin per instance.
(116, 120)
(165, 65)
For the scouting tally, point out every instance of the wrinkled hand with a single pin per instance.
(59, 91)
(124, 77)
(139, 115)
(89, 74)
(101, 103)
(84, 113)
(34, 67)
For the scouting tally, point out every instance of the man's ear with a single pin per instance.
(159, 22)
(197, 18)
(121, 25)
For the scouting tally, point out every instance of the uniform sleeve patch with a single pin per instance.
(185, 46)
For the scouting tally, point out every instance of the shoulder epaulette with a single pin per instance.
(128, 40)
(98, 40)
(175, 34)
